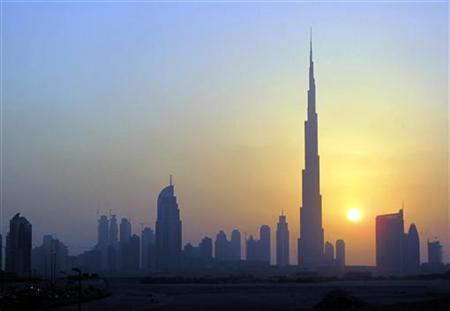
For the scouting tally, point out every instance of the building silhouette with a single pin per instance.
(259, 250)
(412, 249)
(264, 243)
(227, 250)
(147, 249)
(434, 253)
(18, 246)
(125, 230)
(50, 259)
(206, 249)
(168, 230)
(252, 249)
(397, 253)
(197, 256)
(221, 247)
(133, 255)
(328, 256)
(282, 237)
(340, 253)
(310, 243)
(235, 245)
(390, 243)
(103, 232)
(113, 231)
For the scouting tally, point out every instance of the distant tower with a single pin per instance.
(125, 230)
(147, 241)
(206, 249)
(18, 246)
(113, 230)
(251, 249)
(328, 254)
(168, 230)
(282, 242)
(235, 245)
(434, 253)
(412, 249)
(340, 253)
(390, 244)
(131, 254)
(310, 243)
(102, 232)
(264, 243)
(221, 246)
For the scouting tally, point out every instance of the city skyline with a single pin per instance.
(234, 151)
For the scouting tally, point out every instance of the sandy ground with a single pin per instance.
(132, 295)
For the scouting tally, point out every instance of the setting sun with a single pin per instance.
(354, 214)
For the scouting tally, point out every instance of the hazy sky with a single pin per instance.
(102, 101)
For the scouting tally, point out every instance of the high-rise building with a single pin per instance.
(282, 242)
(340, 253)
(113, 230)
(235, 245)
(221, 246)
(133, 254)
(147, 241)
(264, 243)
(434, 253)
(328, 255)
(206, 249)
(412, 249)
(112, 258)
(125, 230)
(252, 249)
(310, 243)
(168, 230)
(18, 246)
(102, 232)
(50, 259)
(390, 243)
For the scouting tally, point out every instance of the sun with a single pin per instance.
(354, 214)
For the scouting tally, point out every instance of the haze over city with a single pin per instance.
(102, 102)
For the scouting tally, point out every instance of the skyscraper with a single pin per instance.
(434, 253)
(264, 243)
(168, 230)
(102, 232)
(412, 249)
(328, 256)
(252, 249)
(113, 230)
(147, 241)
(50, 259)
(18, 246)
(221, 246)
(235, 245)
(282, 242)
(206, 249)
(390, 243)
(340, 253)
(310, 243)
(125, 230)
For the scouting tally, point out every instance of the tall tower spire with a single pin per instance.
(310, 243)
(310, 45)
